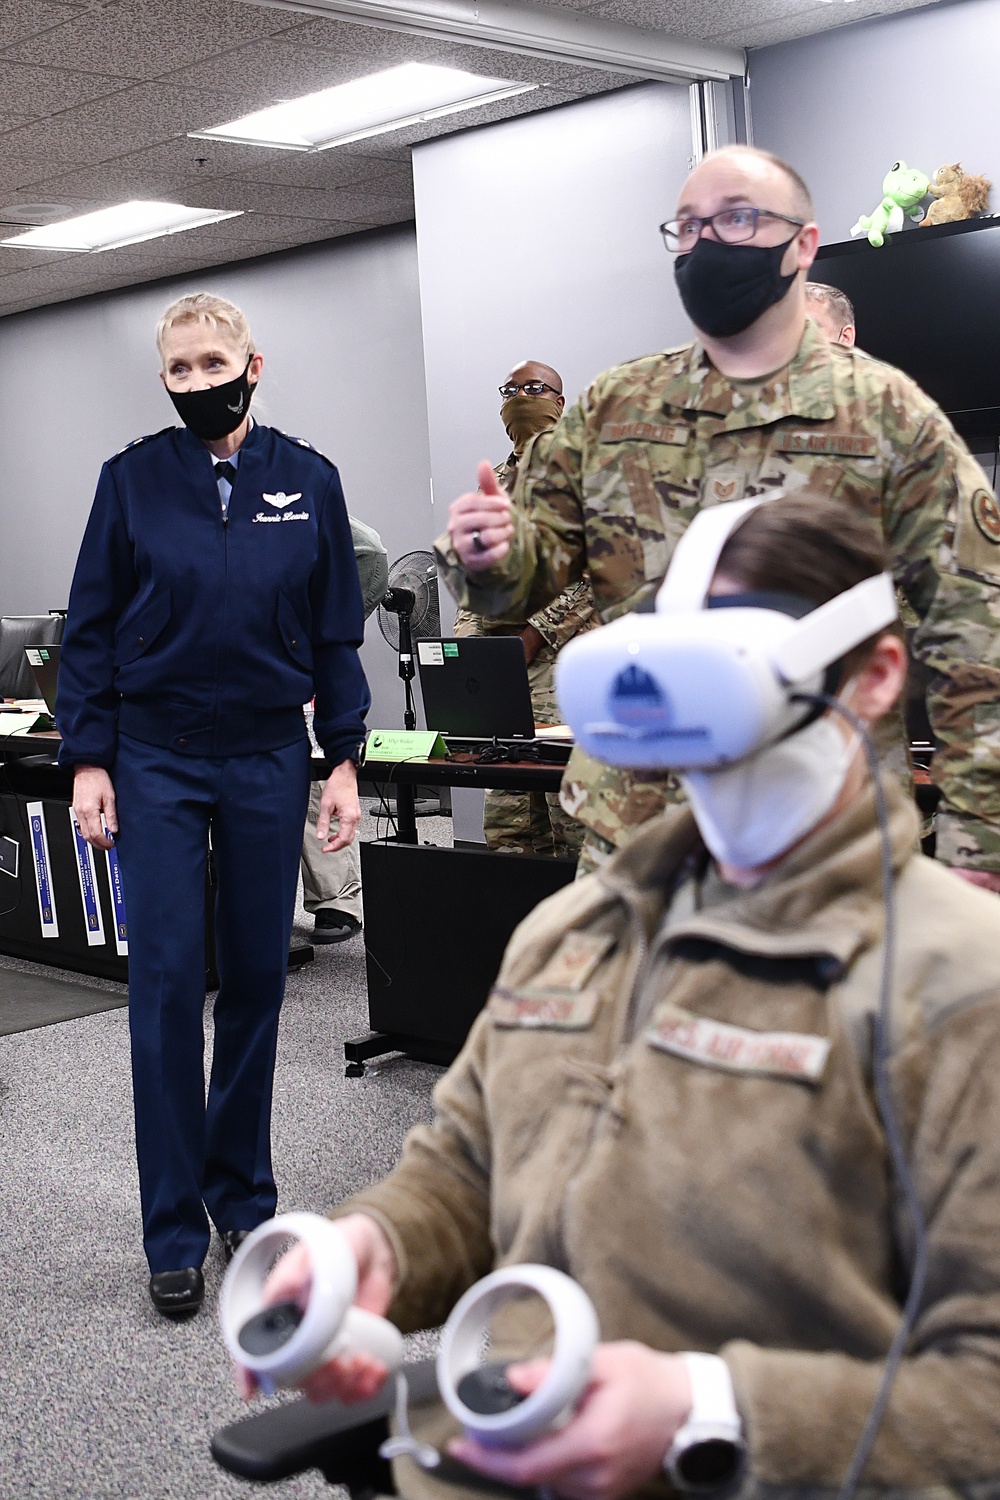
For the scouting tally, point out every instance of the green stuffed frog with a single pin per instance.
(903, 188)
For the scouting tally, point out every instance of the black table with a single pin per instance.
(461, 769)
(437, 920)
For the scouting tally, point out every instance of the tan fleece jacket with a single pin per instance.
(617, 1113)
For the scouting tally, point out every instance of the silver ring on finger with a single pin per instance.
(478, 542)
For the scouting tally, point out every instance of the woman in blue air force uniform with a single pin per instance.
(216, 591)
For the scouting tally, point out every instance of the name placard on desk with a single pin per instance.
(404, 744)
(14, 722)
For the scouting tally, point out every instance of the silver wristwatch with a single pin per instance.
(707, 1453)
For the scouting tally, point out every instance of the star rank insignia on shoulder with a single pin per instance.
(138, 442)
(302, 443)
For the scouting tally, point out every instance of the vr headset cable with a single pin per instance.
(886, 1109)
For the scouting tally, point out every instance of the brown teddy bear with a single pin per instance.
(957, 195)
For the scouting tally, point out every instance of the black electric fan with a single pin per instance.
(408, 612)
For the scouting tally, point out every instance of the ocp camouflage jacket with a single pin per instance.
(614, 485)
(565, 617)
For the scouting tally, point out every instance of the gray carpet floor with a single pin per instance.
(99, 1396)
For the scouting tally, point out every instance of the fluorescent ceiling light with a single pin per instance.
(124, 224)
(407, 95)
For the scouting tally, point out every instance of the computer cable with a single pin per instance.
(886, 1107)
(499, 753)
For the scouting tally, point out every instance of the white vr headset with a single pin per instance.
(694, 686)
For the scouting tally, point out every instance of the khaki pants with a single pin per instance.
(332, 880)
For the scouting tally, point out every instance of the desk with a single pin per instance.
(438, 920)
(459, 770)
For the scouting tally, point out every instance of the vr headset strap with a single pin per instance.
(696, 554)
(835, 628)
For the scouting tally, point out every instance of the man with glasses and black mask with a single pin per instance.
(533, 822)
(761, 401)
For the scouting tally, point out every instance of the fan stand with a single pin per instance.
(406, 796)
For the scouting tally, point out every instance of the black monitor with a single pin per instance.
(928, 301)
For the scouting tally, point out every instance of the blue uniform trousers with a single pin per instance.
(194, 1156)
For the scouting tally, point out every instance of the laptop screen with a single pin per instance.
(476, 687)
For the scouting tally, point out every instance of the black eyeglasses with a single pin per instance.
(529, 387)
(734, 226)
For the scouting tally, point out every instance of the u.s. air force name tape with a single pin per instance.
(717, 1044)
(93, 921)
(43, 870)
(117, 899)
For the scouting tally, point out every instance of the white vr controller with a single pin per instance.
(478, 1395)
(282, 1344)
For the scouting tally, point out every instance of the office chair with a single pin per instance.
(16, 632)
(341, 1441)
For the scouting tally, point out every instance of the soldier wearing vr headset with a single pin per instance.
(674, 1094)
(760, 402)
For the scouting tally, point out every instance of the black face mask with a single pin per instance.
(217, 412)
(725, 288)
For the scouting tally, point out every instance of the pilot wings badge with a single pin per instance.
(280, 500)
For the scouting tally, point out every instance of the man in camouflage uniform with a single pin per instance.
(749, 408)
(533, 822)
(833, 312)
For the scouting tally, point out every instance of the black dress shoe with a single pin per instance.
(177, 1294)
(333, 926)
(232, 1239)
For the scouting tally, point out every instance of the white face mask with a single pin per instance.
(753, 811)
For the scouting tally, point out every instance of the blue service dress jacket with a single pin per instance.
(206, 633)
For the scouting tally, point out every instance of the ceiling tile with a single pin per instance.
(170, 170)
(19, 175)
(30, 93)
(138, 116)
(739, 24)
(79, 275)
(179, 158)
(341, 167)
(146, 38)
(19, 19)
(305, 203)
(13, 262)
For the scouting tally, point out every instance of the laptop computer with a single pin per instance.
(44, 664)
(476, 687)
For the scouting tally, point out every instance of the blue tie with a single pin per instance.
(225, 475)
